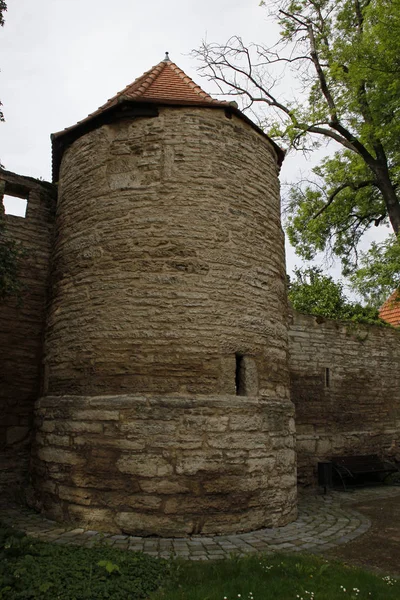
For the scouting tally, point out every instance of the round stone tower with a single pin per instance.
(166, 407)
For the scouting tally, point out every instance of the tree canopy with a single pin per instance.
(312, 292)
(379, 272)
(345, 56)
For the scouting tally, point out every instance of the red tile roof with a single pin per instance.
(166, 81)
(163, 83)
(390, 310)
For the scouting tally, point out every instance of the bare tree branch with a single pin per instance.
(353, 186)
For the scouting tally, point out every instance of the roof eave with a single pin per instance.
(99, 117)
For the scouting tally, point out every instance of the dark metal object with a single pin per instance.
(325, 477)
(358, 468)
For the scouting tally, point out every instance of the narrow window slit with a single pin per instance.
(327, 377)
(240, 375)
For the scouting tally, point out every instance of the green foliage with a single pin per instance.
(317, 294)
(314, 293)
(358, 45)
(328, 215)
(30, 569)
(3, 8)
(344, 54)
(277, 577)
(379, 272)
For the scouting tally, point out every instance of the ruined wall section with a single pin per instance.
(22, 324)
(169, 260)
(345, 384)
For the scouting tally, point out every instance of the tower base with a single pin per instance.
(166, 466)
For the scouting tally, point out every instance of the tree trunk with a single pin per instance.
(389, 195)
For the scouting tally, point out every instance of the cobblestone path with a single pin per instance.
(323, 523)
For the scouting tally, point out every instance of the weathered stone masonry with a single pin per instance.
(165, 384)
(168, 282)
(22, 325)
(345, 384)
(166, 265)
(167, 466)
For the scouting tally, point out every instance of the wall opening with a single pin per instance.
(240, 372)
(14, 205)
(327, 377)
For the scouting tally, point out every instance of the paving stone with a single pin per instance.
(324, 522)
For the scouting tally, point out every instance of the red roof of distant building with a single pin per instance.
(390, 310)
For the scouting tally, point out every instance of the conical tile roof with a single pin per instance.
(165, 83)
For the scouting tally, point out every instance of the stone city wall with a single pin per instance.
(166, 466)
(22, 323)
(345, 384)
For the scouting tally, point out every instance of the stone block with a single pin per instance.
(145, 428)
(261, 465)
(324, 448)
(146, 465)
(59, 455)
(74, 427)
(164, 486)
(96, 415)
(245, 422)
(16, 434)
(100, 519)
(75, 495)
(123, 500)
(237, 440)
(195, 463)
(136, 523)
(102, 441)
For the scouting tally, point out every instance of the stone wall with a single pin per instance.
(22, 323)
(169, 262)
(345, 384)
(166, 466)
(168, 281)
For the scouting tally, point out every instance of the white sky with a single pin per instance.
(61, 59)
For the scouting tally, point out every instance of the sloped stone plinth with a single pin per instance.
(167, 466)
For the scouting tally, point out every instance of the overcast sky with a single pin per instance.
(61, 59)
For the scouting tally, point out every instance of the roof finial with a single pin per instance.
(166, 57)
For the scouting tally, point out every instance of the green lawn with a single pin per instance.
(31, 570)
(277, 577)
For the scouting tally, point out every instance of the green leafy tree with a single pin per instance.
(345, 55)
(312, 292)
(379, 272)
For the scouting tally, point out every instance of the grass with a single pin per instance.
(30, 570)
(277, 577)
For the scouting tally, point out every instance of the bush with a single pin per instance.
(31, 569)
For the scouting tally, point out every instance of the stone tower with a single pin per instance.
(166, 406)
